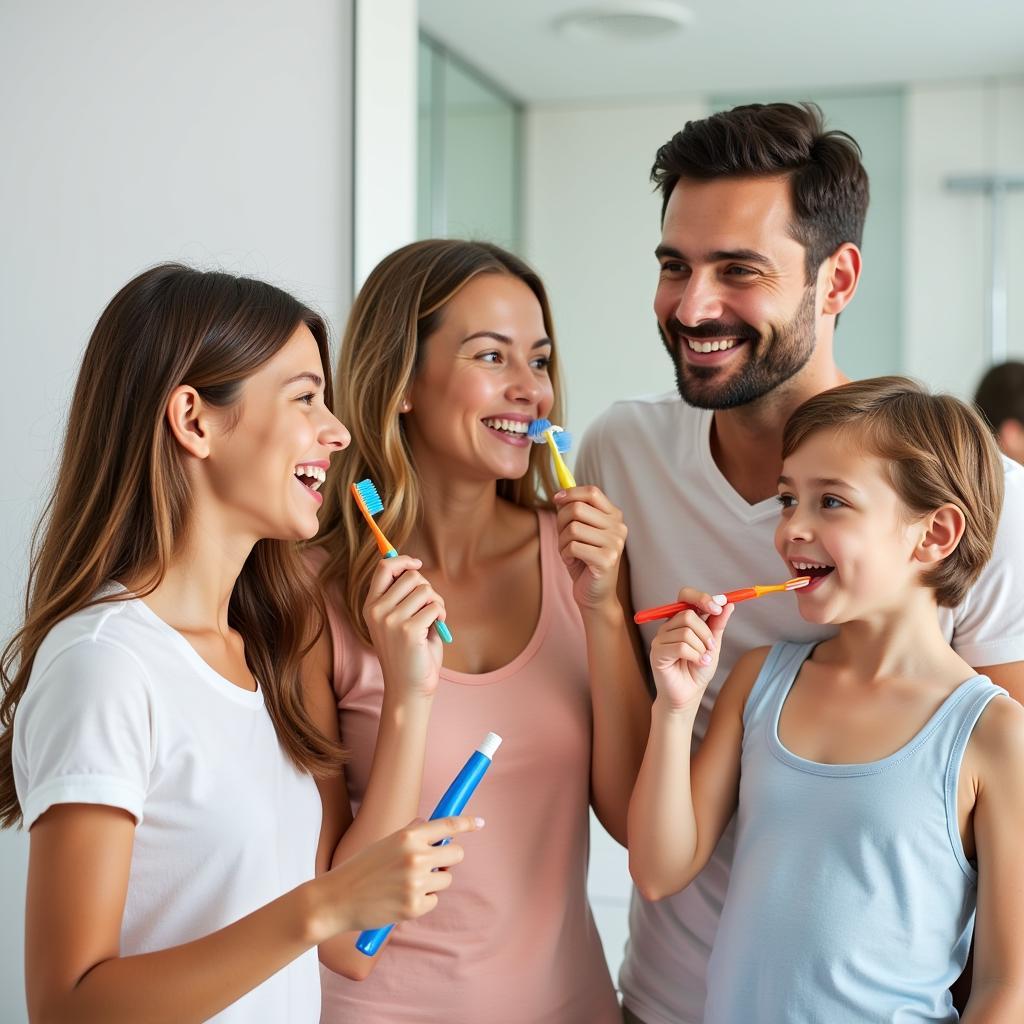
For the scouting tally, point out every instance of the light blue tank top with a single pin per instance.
(851, 900)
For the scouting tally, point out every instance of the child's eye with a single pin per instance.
(785, 500)
(829, 501)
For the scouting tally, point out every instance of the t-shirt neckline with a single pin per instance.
(224, 686)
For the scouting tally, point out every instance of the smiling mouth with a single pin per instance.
(818, 571)
(713, 345)
(310, 477)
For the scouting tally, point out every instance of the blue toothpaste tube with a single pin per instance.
(453, 802)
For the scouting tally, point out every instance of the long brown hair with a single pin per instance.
(122, 500)
(396, 311)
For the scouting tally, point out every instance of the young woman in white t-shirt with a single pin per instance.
(155, 741)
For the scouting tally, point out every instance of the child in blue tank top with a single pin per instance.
(877, 780)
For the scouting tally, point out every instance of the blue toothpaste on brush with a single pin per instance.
(453, 802)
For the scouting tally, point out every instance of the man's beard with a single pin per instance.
(771, 361)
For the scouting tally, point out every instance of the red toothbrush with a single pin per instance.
(666, 611)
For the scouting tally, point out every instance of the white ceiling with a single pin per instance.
(733, 46)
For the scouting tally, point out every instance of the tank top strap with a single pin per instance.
(774, 681)
(959, 726)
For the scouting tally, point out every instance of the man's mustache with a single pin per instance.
(712, 329)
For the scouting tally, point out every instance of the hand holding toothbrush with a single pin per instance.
(591, 539)
(400, 608)
(685, 651)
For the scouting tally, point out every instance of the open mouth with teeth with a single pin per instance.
(311, 477)
(513, 431)
(818, 571)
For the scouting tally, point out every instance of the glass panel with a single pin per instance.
(424, 129)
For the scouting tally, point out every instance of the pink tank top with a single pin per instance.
(513, 940)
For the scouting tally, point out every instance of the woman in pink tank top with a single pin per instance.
(447, 358)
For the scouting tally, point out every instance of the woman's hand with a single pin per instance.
(591, 539)
(395, 879)
(400, 610)
(684, 654)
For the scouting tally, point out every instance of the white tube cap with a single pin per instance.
(490, 744)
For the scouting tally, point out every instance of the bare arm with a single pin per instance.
(400, 610)
(79, 861)
(681, 805)
(997, 750)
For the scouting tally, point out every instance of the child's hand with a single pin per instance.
(591, 539)
(400, 610)
(684, 654)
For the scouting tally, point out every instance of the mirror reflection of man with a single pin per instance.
(762, 218)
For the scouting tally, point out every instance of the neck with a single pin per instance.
(746, 442)
(902, 641)
(459, 524)
(196, 588)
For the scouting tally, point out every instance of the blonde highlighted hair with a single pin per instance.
(938, 452)
(398, 308)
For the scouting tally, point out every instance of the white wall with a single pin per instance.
(958, 129)
(591, 223)
(214, 131)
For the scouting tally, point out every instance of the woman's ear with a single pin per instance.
(187, 417)
(943, 529)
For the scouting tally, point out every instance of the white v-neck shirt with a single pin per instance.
(121, 710)
(687, 526)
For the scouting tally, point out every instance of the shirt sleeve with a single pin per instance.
(83, 732)
(988, 628)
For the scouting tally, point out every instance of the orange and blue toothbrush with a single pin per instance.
(370, 505)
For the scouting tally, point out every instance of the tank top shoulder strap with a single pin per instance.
(959, 726)
(774, 680)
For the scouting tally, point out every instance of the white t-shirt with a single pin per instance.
(687, 526)
(120, 710)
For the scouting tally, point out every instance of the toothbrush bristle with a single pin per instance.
(536, 429)
(371, 499)
(798, 582)
(563, 440)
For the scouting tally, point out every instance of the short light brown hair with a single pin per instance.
(938, 452)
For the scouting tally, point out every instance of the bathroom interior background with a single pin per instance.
(302, 142)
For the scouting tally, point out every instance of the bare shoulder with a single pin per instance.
(997, 742)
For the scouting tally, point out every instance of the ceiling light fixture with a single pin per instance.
(640, 20)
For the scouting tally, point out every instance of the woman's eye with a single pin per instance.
(541, 363)
(785, 500)
(308, 398)
(489, 357)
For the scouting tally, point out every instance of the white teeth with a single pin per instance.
(509, 426)
(315, 473)
(811, 565)
(711, 346)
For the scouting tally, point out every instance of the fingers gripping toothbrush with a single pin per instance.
(370, 505)
(453, 802)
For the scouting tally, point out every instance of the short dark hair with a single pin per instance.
(937, 451)
(762, 140)
(1000, 394)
